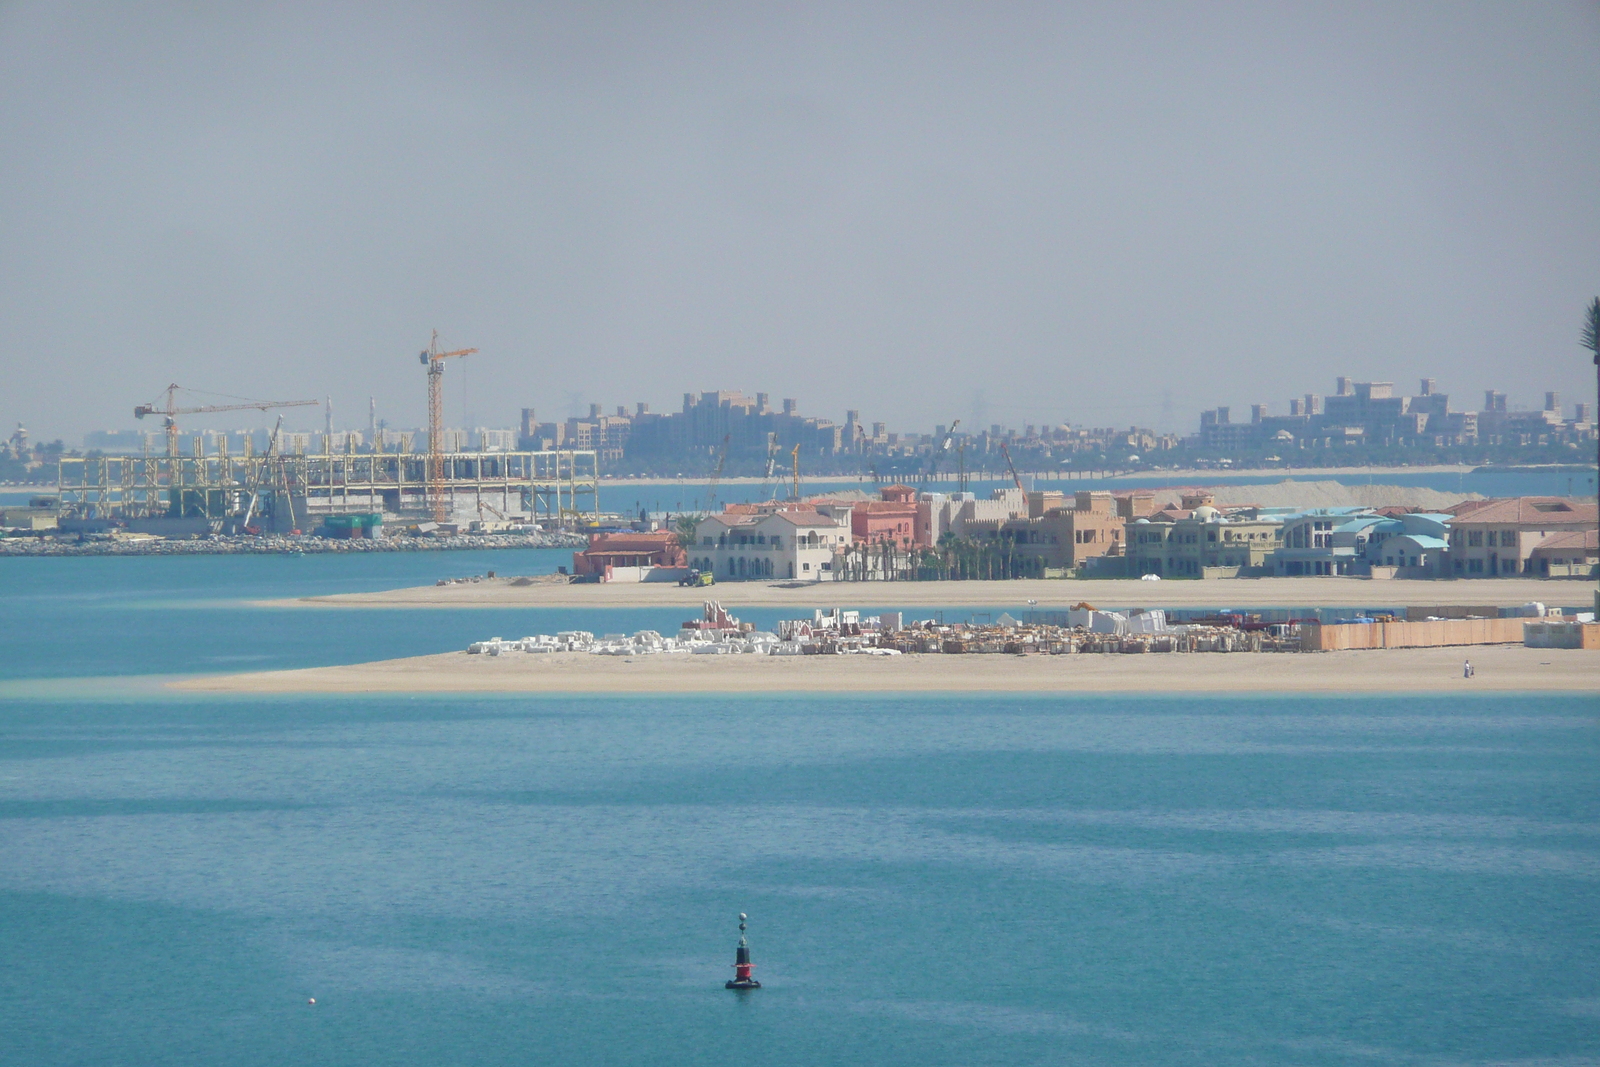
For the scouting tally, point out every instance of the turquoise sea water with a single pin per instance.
(931, 880)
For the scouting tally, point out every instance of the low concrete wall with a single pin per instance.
(645, 574)
(1315, 637)
(1562, 635)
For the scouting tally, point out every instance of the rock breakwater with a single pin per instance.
(244, 546)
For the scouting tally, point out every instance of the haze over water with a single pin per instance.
(1107, 879)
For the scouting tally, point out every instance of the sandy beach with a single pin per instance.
(1224, 593)
(1499, 667)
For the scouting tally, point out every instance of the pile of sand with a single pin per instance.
(1332, 494)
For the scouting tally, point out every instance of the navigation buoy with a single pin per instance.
(741, 962)
(313, 1000)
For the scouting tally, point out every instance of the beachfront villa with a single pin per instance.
(1528, 535)
(1544, 537)
(774, 544)
(1201, 543)
(1363, 542)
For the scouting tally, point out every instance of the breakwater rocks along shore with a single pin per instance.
(237, 546)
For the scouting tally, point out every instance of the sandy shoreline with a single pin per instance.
(1433, 670)
(1055, 595)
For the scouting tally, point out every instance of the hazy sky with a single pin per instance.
(1014, 213)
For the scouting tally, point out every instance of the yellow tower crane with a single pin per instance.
(434, 359)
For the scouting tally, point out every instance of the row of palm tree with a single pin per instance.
(960, 558)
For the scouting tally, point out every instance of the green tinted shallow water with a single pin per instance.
(1058, 879)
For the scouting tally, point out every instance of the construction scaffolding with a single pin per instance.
(557, 488)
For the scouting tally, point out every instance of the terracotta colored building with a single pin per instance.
(656, 548)
(892, 519)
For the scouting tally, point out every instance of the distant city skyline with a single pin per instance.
(1104, 214)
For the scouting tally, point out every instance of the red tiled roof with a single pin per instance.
(633, 542)
(1531, 511)
(1570, 540)
(807, 518)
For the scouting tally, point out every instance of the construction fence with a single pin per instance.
(1437, 633)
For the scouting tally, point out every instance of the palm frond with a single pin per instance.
(1590, 338)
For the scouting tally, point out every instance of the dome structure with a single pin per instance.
(1207, 513)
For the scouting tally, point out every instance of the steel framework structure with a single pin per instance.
(549, 486)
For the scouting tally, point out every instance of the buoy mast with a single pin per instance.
(742, 967)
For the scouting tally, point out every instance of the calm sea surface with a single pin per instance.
(1046, 880)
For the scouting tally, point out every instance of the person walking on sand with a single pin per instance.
(1466, 669)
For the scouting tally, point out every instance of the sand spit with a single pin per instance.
(1051, 595)
(1055, 479)
(1331, 494)
(1499, 668)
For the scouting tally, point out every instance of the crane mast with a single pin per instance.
(767, 488)
(434, 360)
(716, 475)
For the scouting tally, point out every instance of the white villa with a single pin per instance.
(777, 544)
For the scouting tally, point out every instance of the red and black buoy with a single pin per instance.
(741, 962)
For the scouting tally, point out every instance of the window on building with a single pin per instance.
(1474, 538)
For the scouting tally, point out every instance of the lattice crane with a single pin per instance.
(170, 410)
(940, 449)
(1010, 466)
(716, 475)
(434, 359)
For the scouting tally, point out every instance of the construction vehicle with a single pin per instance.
(697, 578)
(169, 410)
(482, 525)
(433, 359)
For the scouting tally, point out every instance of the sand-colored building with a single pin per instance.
(800, 544)
(1573, 554)
(1490, 538)
(1066, 536)
(1202, 543)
